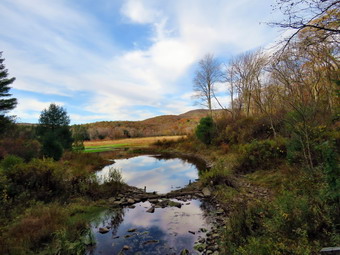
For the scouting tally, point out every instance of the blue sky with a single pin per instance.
(121, 60)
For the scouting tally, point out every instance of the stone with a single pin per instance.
(150, 242)
(191, 232)
(132, 230)
(117, 203)
(131, 201)
(103, 230)
(153, 201)
(126, 247)
(203, 230)
(206, 192)
(184, 252)
(112, 200)
(219, 212)
(151, 210)
(174, 204)
(132, 206)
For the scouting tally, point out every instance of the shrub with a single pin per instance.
(34, 228)
(41, 179)
(205, 130)
(21, 147)
(260, 154)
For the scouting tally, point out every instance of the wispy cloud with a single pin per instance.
(60, 49)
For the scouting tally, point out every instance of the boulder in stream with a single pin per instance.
(103, 230)
(151, 210)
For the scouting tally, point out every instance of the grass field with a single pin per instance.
(107, 145)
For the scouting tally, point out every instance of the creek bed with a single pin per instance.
(168, 230)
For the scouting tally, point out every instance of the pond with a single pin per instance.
(155, 172)
(168, 230)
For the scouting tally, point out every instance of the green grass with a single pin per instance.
(101, 148)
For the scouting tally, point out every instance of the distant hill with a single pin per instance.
(161, 125)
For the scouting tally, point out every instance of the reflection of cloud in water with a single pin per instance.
(156, 175)
(169, 226)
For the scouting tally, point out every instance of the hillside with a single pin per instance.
(157, 126)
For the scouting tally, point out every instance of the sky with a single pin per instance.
(109, 60)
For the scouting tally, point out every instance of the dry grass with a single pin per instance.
(132, 142)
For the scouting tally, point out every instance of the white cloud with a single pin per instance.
(136, 11)
(54, 48)
(30, 107)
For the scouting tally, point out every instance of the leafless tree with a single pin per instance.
(321, 16)
(206, 76)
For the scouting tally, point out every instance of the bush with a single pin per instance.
(21, 147)
(38, 179)
(260, 154)
(205, 130)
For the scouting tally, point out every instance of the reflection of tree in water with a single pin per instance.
(206, 208)
(117, 217)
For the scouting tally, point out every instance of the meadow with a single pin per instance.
(108, 145)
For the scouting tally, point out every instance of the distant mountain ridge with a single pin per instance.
(181, 124)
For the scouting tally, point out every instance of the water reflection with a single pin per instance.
(155, 172)
(163, 232)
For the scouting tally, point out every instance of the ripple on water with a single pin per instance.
(166, 231)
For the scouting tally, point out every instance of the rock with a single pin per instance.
(203, 230)
(191, 232)
(174, 204)
(206, 192)
(132, 206)
(131, 201)
(103, 230)
(117, 203)
(150, 242)
(115, 237)
(153, 201)
(184, 252)
(128, 236)
(200, 247)
(219, 212)
(112, 200)
(132, 230)
(151, 210)
(126, 247)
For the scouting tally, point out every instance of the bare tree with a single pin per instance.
(207, 74)
(316, 15)
(246, 71)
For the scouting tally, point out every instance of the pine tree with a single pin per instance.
(54, 131)
(8, 103)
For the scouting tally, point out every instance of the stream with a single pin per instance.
(167, 229)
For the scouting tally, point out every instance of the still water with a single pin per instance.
(166, 231)
(157, 173)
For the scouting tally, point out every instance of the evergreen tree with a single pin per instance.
(54, 131)
(205, 130)
(6, 102)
